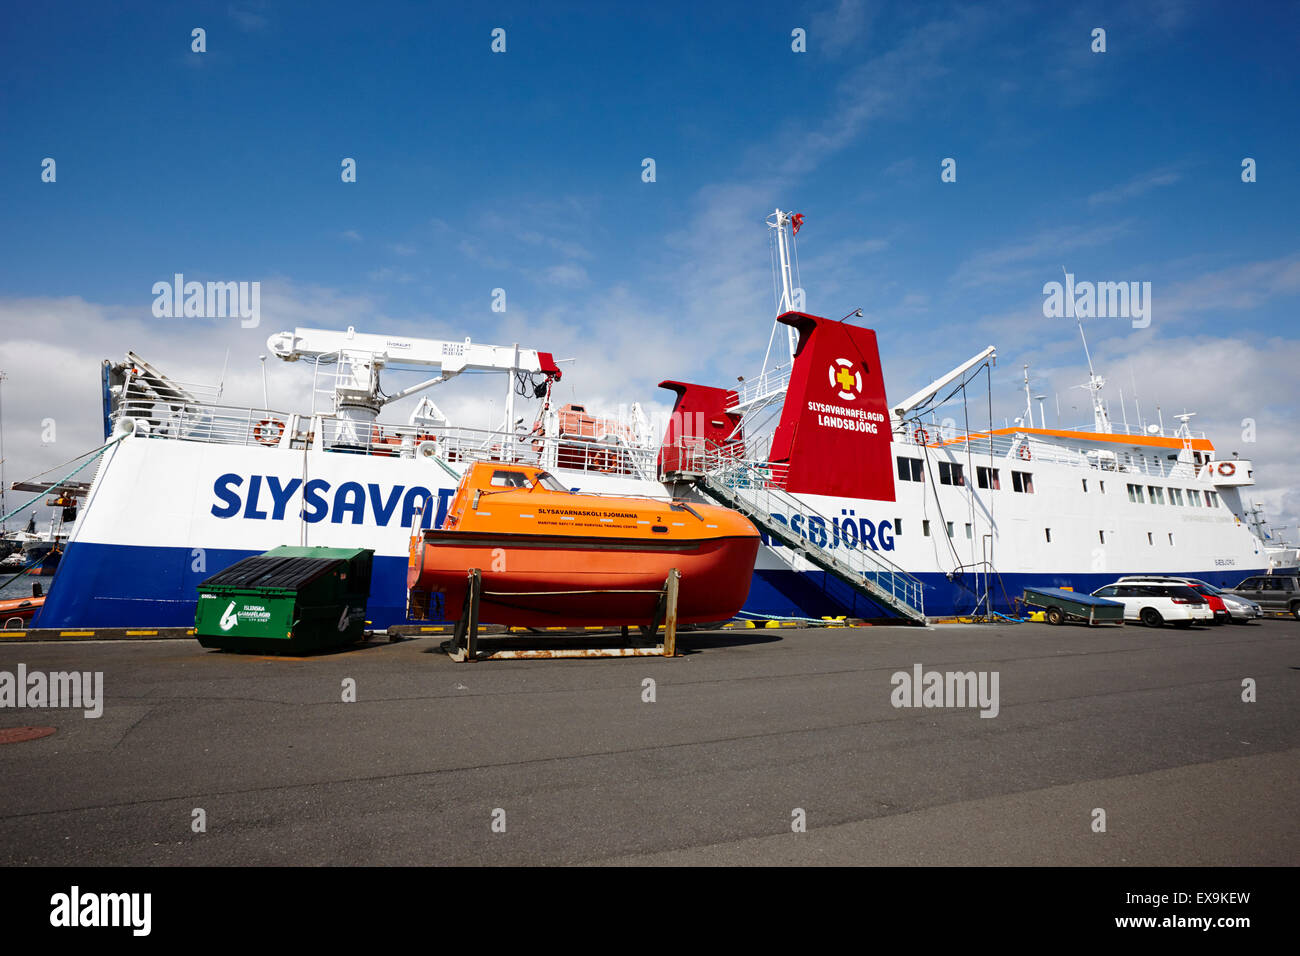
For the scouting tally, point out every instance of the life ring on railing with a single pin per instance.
(921, 437)
(1227, 469)
(1024, 454)
(268, 431)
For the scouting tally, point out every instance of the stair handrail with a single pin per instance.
(710, 460)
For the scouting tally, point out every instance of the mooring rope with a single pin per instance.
(94, 454)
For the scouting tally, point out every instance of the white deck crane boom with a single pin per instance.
(359, 357)
(926, 394)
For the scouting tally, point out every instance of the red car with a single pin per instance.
(1221, 613)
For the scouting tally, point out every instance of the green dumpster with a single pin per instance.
(286, 601)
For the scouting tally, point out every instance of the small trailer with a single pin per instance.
(1061, 606)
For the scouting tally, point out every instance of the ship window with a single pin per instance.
(950, 473)
(968, 531)
(1085, 485)
(1101, 536)
(1022, 481)
(1176, 496)
(898, 527)
(909, 469)
(509, 479)
(1048, 533)
(1150, 539)
(1212, 499)
(548, 481)
(925, 527)
(1194, 497)
(1135, 494)
(1101, 486)
(1157, 494)
(950, 529)
(987, 477)
(1171, 538)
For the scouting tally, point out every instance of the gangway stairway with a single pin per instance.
(754, 490)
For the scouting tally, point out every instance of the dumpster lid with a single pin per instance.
(285, 567)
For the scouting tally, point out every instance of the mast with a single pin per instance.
(1029, 402)
(1101, 420)
(786, 276)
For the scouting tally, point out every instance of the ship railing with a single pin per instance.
(202, 422)
(1016, 447)
(455, 445)
(236, 425)
(1119, 428)
(770, 384)
(758, 490)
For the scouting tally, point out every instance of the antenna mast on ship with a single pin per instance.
(1101, 420)
(1029, 402)
(790, 295)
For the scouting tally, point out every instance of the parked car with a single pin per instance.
(1273, 592)
(1228, 608)
(1153, 604)
(1241, 609)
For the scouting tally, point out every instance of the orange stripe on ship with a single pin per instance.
(1198, 444)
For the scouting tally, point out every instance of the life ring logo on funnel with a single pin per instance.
(845, 379)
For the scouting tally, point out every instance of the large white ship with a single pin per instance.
(868, 507)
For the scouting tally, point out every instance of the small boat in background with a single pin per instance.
(18, 612)
(550, 556)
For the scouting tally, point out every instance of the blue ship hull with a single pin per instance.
(125, 586)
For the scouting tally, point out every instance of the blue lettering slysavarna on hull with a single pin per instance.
(267, 497)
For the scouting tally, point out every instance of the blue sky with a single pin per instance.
(522, 171)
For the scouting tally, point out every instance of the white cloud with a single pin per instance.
(568, 276)
(1136, 186)
(1036, 256)
(1244, 286)
(837, 29)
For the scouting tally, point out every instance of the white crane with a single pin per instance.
(358, 358)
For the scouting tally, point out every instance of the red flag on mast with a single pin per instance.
(796, 220)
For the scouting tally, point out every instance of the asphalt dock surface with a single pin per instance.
(566, 762)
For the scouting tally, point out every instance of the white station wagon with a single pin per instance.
(1154, 604)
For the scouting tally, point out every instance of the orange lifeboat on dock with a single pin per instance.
(550, 556)
(18, 612)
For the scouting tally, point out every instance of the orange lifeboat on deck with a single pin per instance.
(550, 556)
